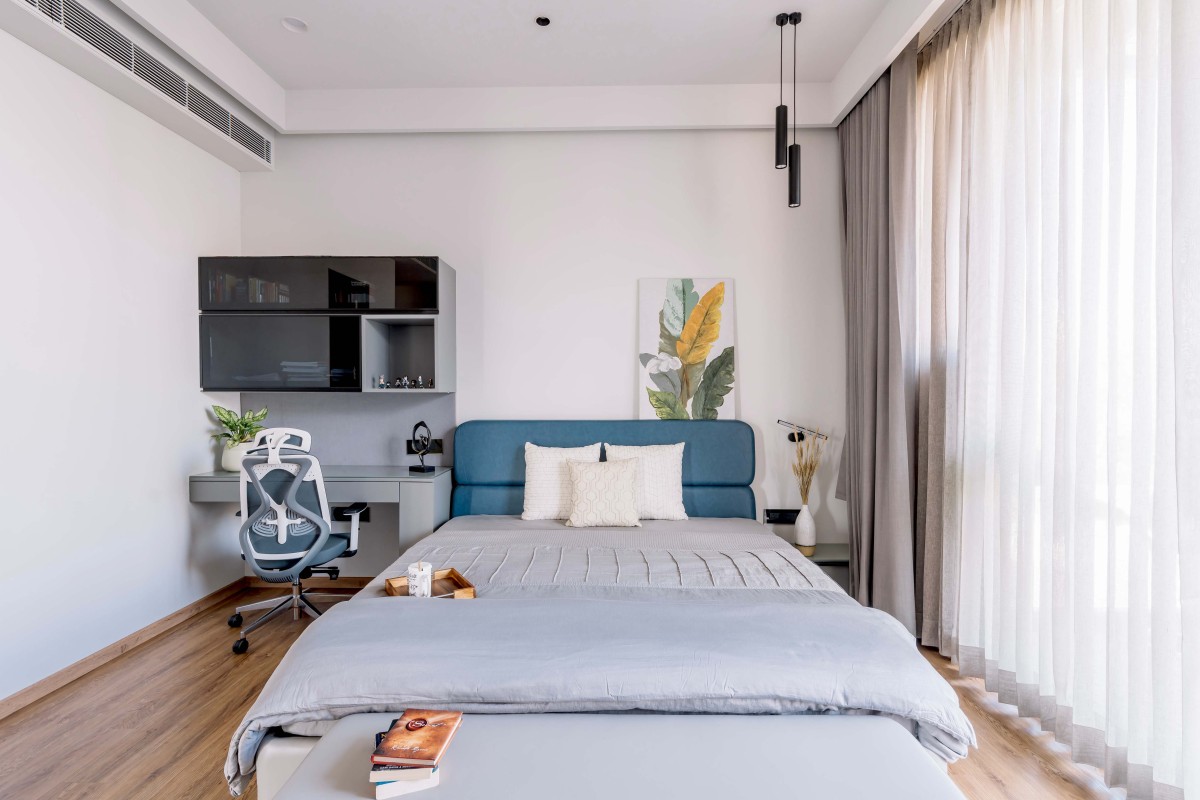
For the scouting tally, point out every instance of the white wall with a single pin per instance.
(102, 215)
(549, 233)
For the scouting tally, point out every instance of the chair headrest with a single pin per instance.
(273, 441)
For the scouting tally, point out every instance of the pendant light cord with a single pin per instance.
(780, 65)
(794, 110)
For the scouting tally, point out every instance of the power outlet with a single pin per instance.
(435, 447)
(340, 515)
(780, 516)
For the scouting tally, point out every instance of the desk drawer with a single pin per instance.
(339, 492)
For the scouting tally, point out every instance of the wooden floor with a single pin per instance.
(155, 722)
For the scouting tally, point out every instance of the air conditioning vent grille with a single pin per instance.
(159, 75)
(51, 8)
(208, 109)
(248, 138)
(102, 36)
(98, 33)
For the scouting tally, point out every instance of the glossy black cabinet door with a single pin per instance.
(271, 284)
(294, 352)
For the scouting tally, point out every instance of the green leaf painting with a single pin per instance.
(716, 383)
(667, 405)
(686, 371)
(681, 299)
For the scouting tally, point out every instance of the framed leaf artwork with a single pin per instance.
(686, 349)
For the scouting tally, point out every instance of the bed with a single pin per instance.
(709, 615)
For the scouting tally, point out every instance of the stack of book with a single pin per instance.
(407, 754)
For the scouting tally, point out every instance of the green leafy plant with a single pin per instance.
(236, 429)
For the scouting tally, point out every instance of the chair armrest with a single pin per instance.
(352, 512)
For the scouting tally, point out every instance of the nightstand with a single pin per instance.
(834, 560)
(830, 554)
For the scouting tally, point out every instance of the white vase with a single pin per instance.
(806, 532)
(231, 457)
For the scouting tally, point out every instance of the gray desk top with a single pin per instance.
(337, 472)
(606, 756)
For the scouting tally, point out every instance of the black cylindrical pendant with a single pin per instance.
(781, 137)
(793, 157)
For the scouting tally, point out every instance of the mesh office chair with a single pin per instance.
(287, 532)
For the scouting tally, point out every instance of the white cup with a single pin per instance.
(420, 579)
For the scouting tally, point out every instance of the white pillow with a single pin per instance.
(604, 494)
(547, 482)
(660, 487)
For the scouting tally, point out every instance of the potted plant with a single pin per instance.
(237, 432)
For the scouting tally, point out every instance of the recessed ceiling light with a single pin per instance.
(294, 25)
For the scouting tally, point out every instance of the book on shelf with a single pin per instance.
(226, 288)
(418, 738)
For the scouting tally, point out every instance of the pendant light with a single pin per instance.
(781, 111)
(793, 151)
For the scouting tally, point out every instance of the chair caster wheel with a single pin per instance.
(235, 621)
(241, 646)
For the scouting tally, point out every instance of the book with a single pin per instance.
(385, 791)
(418, 738)
(386, 773)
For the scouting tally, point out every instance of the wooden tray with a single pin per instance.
(446, 583)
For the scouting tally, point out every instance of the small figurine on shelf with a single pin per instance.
(404, 384)
(420, 382)
(382, 383)
(430, 384)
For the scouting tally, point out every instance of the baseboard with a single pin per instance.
(30, 694)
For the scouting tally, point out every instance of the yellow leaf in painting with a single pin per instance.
(702, 328)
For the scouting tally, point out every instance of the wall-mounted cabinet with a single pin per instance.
(270, 284)
(280, 353)
(313, 324)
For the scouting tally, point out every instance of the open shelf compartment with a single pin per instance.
(395, 345)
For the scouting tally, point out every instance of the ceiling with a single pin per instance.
(403, 44)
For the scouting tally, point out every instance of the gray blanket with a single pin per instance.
(639, 639)
(508, 556)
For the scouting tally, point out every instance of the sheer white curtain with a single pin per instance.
(1057, 554)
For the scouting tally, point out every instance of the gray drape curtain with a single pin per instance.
(879, 461)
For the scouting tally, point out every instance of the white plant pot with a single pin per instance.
(806, 532)
(231, 457)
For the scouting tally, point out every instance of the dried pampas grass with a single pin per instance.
(808, 458)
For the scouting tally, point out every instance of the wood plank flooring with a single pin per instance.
(155, 722)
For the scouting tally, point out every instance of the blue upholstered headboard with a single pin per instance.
(718, 460)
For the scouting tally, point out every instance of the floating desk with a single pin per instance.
(423, 499)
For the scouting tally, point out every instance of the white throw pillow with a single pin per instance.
(660, 486)
(604, 494)
(547, 481)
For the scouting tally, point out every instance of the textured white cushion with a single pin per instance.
(660, 486)
(603, 494)
(547, 482)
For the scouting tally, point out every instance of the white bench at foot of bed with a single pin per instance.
(699, 757)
